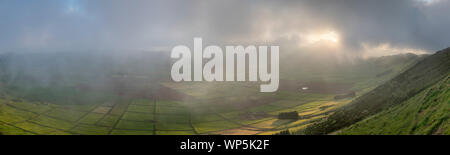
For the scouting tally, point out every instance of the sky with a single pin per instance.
(374, 28)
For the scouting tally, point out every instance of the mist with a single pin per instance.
(68, 25)
(68, 43)
(107, 67)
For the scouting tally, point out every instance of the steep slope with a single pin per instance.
(426, 113)
(406, 85)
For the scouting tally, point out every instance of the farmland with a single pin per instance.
(129, 104)
(224, 112)
(143, 116)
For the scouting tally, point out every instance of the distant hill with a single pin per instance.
(361, 74)
(426, 113)
(408, 84)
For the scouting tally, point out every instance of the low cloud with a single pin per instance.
(417, 25)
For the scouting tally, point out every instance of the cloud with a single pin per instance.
(161, 24)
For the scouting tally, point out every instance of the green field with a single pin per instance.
(203, 108)
(143, 117)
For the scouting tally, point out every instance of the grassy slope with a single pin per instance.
(426, 113)
(414, 80)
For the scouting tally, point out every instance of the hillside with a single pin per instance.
(426, 113)
(406, 85)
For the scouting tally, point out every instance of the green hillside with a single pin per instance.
(426, 113)
(422, 75)
(121, 97)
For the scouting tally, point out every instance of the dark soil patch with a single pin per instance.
(322, 108)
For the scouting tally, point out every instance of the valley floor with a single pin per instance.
(138, 106)
(426, 113)
(152, 117)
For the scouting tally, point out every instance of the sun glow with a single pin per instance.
(386, 49)
(321, 38)
(329, 36)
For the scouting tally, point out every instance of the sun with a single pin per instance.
(320, 38)
(328, 36)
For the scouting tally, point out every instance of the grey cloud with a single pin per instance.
(141, 24)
